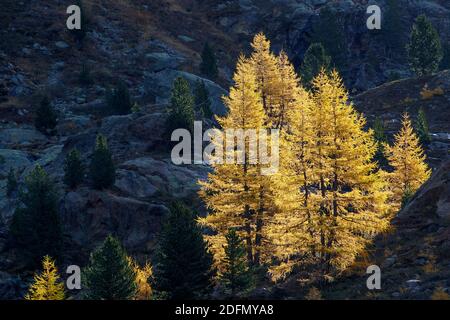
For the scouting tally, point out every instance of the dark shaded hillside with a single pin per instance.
(415, 256)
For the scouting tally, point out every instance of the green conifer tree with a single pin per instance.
(102, 169)
(184, 267)
(315, 59)
(119, 99)
(237, 276)
(422, 129)
(73, 169)
(181, 110)
(330, 32)
(408, 194)
(381, 140)
(424, 50)
(36, 228)
(393, 29)
(46, 118)
(208, 66)
(202, 100)
(110, 275)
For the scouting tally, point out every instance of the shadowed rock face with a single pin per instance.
(431, 200)
(420, 245)
(415, 256)
(89, 216)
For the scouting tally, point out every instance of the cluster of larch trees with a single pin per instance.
(110, 275)
(329, 197)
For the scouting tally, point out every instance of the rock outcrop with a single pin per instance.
(89, 216)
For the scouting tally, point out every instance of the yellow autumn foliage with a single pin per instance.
(47, 285)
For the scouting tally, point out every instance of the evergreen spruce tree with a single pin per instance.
(424, 50)
(393, 29)
(102, 169)
(35, 228)
(184, 267)
(314, 60)
(422, 128)
(408, 194)
(181, 110)
(11, 183)
(202, 100)
(46, 118)
(330, 32)
(109, 275)
(208, 66)
(381, 140)
(119, 99)
(73, 169)
(236, 276)
(407, 158)
(47, 285)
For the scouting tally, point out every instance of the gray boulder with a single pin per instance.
(133, 184)
(178, 181)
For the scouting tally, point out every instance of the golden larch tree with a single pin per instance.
(267, 76)
(352, 205)
(47, 285)
(326, 202)
(287, 90)
(143, 275)
(407, 158)
(292, 228)
(231, 191)
(275, 82)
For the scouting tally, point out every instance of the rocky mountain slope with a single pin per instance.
(290, 24)
(432, 93)
(147, 44)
